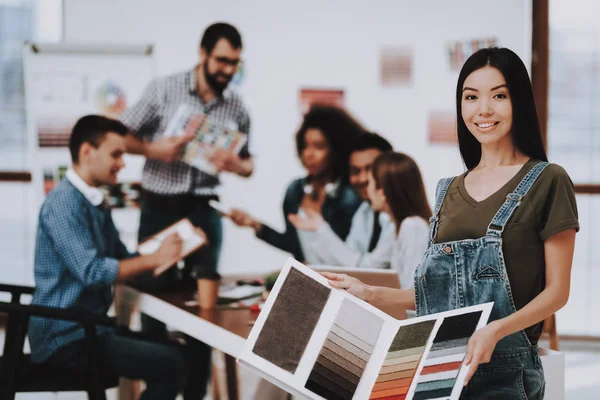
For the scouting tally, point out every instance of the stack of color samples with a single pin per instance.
(402, 360)
(445, 357)
(345, 353)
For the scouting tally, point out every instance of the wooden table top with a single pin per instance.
(236, 320)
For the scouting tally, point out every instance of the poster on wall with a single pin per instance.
(396, 67)
(62, 87)
(310, 96)
(458, 51)
(441, 127)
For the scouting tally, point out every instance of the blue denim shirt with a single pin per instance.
(76, 262)
(337, 210)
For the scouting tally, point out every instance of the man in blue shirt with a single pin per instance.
(78, 258)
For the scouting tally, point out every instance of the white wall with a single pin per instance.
(288, 45)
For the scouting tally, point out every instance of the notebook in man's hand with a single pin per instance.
(208, 136)
(192, 241)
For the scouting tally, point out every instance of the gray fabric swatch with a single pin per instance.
(292, 320)
(358, 321)
(450, 343)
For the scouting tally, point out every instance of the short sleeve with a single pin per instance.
(559, 212)
(142, 117)
(244, 126)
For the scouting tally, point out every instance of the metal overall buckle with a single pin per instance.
(515, 197)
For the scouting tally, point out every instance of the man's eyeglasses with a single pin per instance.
(225, 61)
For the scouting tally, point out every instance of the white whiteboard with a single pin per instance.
(66, 81)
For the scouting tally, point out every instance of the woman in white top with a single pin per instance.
(396, 189)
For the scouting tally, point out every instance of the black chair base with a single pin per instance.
(45, 378)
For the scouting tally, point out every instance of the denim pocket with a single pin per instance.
(534, 383)
(497, 383)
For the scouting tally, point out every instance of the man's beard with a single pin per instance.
(216, 86)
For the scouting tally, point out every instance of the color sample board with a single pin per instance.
(322, 343)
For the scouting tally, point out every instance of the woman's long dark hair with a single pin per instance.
(400, 178)
(526, 132)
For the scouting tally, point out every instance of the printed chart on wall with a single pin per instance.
(65, 82)
(322, 343)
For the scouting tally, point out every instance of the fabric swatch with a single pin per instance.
(447, 352)
(457, 327)
(392, 384)
(432, 394)
(389, 392)
(438, 376)
(447, 344)
(399, 367)
(444, 384)
(401, 353)
(441, 368)
(444, 359)
(410, 336)
(402, 360)
(346, 361)
(345, 353)
(292, 320)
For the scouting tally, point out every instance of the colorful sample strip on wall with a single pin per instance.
(445, 357)
(345, 353)
(401, 362)
(292, 320)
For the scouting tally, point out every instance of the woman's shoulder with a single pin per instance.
(414, 223)
(553, 174)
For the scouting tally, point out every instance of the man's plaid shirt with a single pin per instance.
(149, 117)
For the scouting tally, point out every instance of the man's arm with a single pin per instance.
(169, 250)
(72, 238)
(163, 149)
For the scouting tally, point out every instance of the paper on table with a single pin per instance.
(187, 232)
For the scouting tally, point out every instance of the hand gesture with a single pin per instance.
(224, 160)
(241, 218)
(168, 149)
(169, 250)
(480, 348)
(352, 285)
(311, 222)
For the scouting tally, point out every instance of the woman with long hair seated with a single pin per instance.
(395, 188)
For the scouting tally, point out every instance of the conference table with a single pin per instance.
(223, 328)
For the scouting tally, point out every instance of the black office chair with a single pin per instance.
(17, 372)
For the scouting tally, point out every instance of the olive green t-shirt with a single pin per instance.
(548, 208)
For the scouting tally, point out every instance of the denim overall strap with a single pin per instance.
(440, 194)
(513, 200)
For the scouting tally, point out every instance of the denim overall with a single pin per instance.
(468, 272)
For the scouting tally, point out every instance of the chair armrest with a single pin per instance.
(16, 289)
(85, 317)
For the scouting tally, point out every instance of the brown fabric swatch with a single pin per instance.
(392, 384)
(412, 365)
(334, 377)
(395, 375)
(401, 353)
(336, 358)
(292, 320)
(342, 364)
